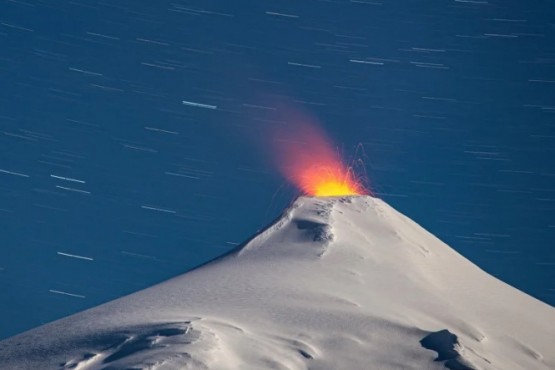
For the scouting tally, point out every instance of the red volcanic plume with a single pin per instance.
(307, 158)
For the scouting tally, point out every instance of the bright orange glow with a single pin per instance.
(326, 181)
(306, 157)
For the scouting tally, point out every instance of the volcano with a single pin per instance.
(334, 283)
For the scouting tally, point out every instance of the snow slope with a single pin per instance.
(335, 283)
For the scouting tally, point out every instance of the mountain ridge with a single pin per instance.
(343, 282)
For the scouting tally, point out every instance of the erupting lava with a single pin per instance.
(328, 179)
(306, 157)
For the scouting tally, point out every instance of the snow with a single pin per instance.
(335, 283)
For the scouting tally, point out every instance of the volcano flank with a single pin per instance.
(334, 283)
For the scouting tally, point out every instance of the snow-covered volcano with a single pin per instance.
(335, 283)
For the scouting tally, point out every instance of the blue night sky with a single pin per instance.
(452, 101)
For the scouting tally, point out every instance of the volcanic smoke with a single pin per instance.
(306, 157)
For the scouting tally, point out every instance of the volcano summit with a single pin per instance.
(335, 283)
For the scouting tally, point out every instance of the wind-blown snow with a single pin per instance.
(335, 283)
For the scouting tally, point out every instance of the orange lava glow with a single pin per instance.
(328, 180)
(307, 158)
